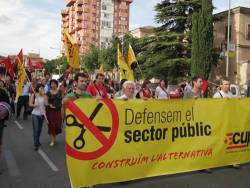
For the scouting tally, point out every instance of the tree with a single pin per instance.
(90, 60)
(202, 41)
(168, 53)
(51, 66)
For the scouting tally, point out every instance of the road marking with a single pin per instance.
(47, 160)
(19, 125)
(11, 163)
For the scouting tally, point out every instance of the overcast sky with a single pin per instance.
(35, 25)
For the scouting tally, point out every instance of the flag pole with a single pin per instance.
(26, 74)
(140, 70)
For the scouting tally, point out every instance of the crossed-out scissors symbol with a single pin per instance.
(71, 121)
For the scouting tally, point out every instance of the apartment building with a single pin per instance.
(95, 22)
(239, 58)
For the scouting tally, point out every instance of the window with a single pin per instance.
(103, 45)
(106, 24)
(104, 7)
(123, 18)
(248, 32)
(105, 15)
(230, 32)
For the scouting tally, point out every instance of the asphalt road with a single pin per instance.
(22, 167)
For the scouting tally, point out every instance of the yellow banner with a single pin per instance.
(113, 141)
(20, 77)
(71, 50)
(131, 56)
(125, 71)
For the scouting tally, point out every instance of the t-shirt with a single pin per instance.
(190, 94)
(40, 109)
(74, 95)
(55, 99)
(222, 94)
(162, 93)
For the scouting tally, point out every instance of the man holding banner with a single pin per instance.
(128, 89)
(81, 80)
(195, 92)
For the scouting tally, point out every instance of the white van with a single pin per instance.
(235, 90)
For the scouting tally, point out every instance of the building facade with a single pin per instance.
(95, 22)
(239, 56)
(141, 32)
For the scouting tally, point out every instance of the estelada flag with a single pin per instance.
(21, 74)
(131, 56)
(125, 71)
(71, 50)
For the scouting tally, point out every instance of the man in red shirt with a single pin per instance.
(97, 88)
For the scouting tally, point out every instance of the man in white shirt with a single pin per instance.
(224, 91)
(128, 89)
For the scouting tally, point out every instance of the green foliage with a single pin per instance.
(167, 54)
(202, 37)
(52, 66)
(106, 56)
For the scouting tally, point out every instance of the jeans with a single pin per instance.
(22, 101)
(37, 122)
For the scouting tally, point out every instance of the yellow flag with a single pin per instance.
(125, 71)
(71, 50)
(101, 69)
(21, 74)
(131, 56)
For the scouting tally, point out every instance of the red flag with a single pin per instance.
(11, 70)
(38, 64)
(31, 68)
(68, 71)
(19, 58)
(204, 86)
(6, 63)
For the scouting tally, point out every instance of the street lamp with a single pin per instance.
(228, 37)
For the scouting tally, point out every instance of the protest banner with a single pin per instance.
(114, 140)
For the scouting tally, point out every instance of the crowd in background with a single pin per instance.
(43, 98)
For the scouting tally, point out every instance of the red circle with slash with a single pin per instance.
(106, 142)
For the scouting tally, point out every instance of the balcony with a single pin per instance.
(123, 14)
(65, 19)
(86, 10)
(78, 27)
(123, 22)
(79, 2)
(64, 12)
(79, 17)
(65, 25)
(70, 2)
(79, 9)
